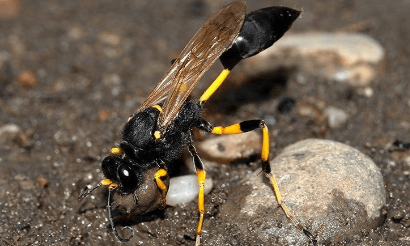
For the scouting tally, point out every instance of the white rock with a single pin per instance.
(184, 189)
(10, 129)
(336, 117)
(8, 132)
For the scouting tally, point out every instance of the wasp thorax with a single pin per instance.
(139, 130)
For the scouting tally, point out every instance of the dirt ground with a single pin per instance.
(71, 72)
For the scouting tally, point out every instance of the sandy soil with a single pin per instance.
(71, 72)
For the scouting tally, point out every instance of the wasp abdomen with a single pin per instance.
(260, 30)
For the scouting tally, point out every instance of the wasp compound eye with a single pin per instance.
(128, 178)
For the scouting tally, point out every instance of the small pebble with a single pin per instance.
(9, 129)
(367, 92)
(16, 239)
(75, 33)
(103, 114)
(336, 117)
(407, 161)
(43, 182)
(184, 189)
(312, 110)
(113, 81)
(285, 105)
(9, 8)
(28, 79)
(334, 190)
(228, 148)
(110, 38)
(9, 132)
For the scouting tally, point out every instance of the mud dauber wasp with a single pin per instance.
(161, 127)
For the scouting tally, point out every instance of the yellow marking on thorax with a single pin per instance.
(116, 151)
(158, 107)
(157, 134)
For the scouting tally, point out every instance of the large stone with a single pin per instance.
(351, 58)
(334, 190)
(229, 148)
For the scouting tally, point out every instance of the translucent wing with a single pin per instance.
(214, 37)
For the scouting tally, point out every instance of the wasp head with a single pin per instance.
(122, 172)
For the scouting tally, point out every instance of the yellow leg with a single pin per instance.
(201, 174)
(281, 202)
(201, 202)
(215, 85)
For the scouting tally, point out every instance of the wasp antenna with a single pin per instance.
(85, 192)
(114, 229)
